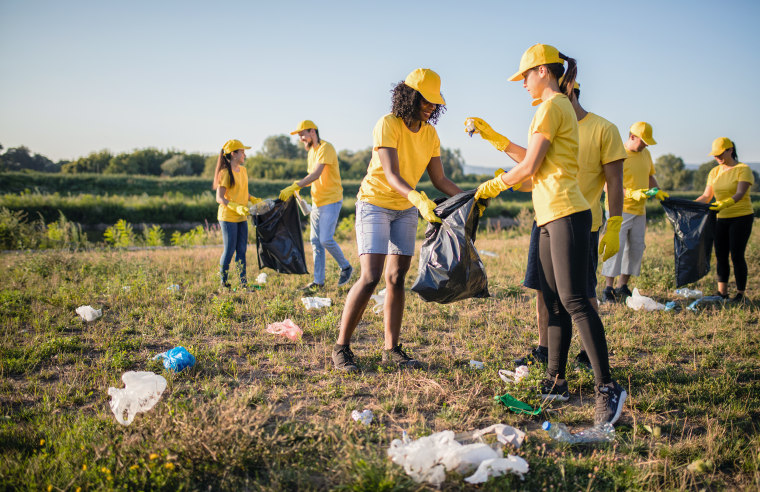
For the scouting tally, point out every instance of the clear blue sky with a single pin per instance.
(81, 76)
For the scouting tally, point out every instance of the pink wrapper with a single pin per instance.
(286, 328)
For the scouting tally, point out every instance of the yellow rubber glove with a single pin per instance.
(476, 125)
(288, 192)
(238, 208)
(637, 195)
(609, 244)
(253, 200)
(721, 204)
(661, 195)
(424, 204)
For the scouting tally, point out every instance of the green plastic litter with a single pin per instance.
(651, 192)
(516, 405)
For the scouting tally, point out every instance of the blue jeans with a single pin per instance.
(323, 221)
(235, 236)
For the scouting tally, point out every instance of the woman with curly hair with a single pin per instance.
(405, 145)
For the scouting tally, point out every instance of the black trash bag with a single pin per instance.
(694, 226)
(450, 268)
(279, 243)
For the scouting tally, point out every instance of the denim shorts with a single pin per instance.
(384, 231)
(534, 264)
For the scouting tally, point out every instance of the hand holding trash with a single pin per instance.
(425, 205)
(288, 191)
(609, 244)
(477, 125)
(721, 204)
(636, 195)
(238, 208)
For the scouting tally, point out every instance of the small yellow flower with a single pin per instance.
(50, 487)
(169, 466)
(134, 467)
(153, 456)
(84, 467)
(104, 470)
(109, 478)
(79, 489)
(42, 443)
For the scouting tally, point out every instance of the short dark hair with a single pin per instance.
(405, 102)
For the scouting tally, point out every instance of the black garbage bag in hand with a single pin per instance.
(450, 268)
(279, 243)
(694, 226)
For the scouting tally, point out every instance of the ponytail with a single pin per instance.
(733, 151)
(223, 162)
(568, 81)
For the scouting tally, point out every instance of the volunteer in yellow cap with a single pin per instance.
(327, 196)
(550, 166)
(638, 180)
(405, 145)
(600, 165)
(730, 182)
(231, 185)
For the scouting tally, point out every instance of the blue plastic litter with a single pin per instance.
(704, 302)
(177, 359)
(671, 306)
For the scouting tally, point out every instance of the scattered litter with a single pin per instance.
(303, 205)
(262, 207)
(285, 328)
(672, 306)
(379, 298)
(364, 417)
(429, 458)
(141, 392)
(126, 288)
(316, 302)
(638, 302)
(599, 433)
(497, 467)
(505, 434)
(688, 293)
(514, 377)
(516, 405)
(262, 278)
(87, 313)
(476, 364)
(176, 359)
(483, 252)
(173, 288)
(704, 302)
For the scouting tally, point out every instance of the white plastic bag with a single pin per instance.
(515, 377)
(638, 302)
(316, 302)
(497, 467)
(379, 298)
(364, 417)
(141, 392)
(261, 278)
(87, 313)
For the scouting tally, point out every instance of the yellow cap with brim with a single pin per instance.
(231, 146)
(536, 55)
(643, 130)
(305, 125)
(427, 83)
(721, 145)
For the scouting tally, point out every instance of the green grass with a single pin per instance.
(260, 412)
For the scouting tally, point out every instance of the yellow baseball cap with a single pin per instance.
(643, 130)
(305, 125)
(721, 145)
(538, 54)
(427, 83)
(231, 146)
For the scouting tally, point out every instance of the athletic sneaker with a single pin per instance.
(608, 296)
(582, 361)
(623, 291)
(609, 403)
(738, 299)
(397, 356)
(536, 356)
(345, 275)
(343, 358)
(553, 391)
(313, 286)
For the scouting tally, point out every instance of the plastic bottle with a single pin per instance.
(599, 433)
(688, 293)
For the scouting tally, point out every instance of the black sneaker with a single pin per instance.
(722, 296)
(738, 299)
(608, 296)
(397, 356)
(313, 286)
(536, 356)
(622, 292)
(609, 403)
(343, 359)
(345, 275)
(582, 361)
(552, 391)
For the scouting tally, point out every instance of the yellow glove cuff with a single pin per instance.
(237, 208)
(614, 222)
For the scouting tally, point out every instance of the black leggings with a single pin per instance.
(563, 247)
(731, 236)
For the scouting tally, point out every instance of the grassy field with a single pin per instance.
(259, 412)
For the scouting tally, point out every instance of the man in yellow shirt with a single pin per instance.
(638, 178)
(327, 197)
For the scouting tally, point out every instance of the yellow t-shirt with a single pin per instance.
(237, 193)
(414, 153)
(599, 144)
(637, 168)
(556, 193)
(327, 188)
(724, 181)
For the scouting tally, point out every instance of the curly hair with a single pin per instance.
(405, 103)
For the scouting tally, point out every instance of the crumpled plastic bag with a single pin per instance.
(497, 467)
(261, 278)
(285, 328)
(364, 417)
(141, 392)
(88, 313)
(316, 302)
(638, 302)
(704, 302)
(505, 434)
(515, 377)
(176, 359)
(379, 298)
(476, 364)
